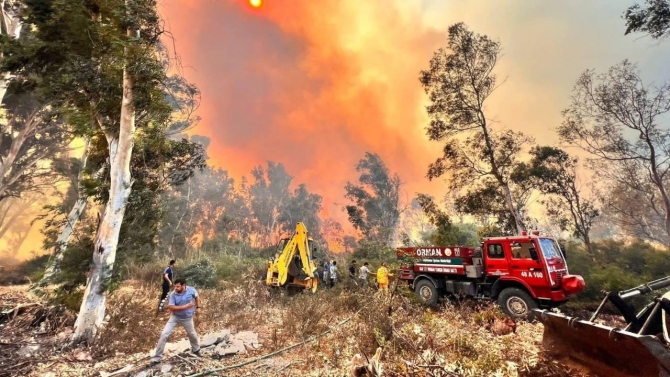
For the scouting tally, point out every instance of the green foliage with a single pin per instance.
(72, 61)
(619, 266)
(70, 299)
(555, 174)
(653, 18)
(76, 262)
(372, 251)
(231, 268)
(201, 274)
(376, 198)
(467, 235)
(445, 232)
(490, 230)
(477, 159)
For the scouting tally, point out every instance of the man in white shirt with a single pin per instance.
(363, 273)
(333, 274)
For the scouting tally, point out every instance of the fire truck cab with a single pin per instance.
(521, 272)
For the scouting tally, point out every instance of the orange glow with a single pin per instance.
(314, 86)
(256, 3)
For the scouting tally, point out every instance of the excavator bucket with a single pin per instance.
(603, 350)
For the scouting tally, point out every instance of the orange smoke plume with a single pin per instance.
(311, 84)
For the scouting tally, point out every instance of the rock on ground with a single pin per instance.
(215, 338)
(225, 343)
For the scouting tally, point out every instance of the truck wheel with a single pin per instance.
(427, 292)
(517, 303)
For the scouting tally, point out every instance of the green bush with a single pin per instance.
(230, 268)
(201, 274)
(615, 266)
(370, 250)
(77, 259)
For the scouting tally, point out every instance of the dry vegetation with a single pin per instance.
(454, 340)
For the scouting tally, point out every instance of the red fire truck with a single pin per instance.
(520, 272)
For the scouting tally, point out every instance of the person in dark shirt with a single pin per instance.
(352, 271)
(167, 283)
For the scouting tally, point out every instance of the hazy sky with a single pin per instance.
(316, 84)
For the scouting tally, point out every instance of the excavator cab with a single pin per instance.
(640, 348)
(293, 265)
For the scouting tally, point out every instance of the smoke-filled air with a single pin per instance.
(334, 188)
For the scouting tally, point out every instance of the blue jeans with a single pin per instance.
(171, 324)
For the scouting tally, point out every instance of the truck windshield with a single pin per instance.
(549, 249)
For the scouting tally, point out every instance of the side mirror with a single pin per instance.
(565, 255)
(533, 253)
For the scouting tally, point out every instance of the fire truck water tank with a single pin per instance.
(474, 271)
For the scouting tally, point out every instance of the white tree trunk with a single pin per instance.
(520, 226)
(92, 311)
(68, 228)
(11, 11)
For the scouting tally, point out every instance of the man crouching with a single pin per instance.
(183, 303)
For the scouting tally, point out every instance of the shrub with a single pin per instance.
(201, 274)
(230, 268)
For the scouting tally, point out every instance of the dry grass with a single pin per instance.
(450, 341)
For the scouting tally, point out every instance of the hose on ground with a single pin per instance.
(255, 359)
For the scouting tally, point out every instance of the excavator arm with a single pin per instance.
(639, 349)
(298, 243)
(293, 265)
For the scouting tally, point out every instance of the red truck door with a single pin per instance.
(524, 267)
(496, 260)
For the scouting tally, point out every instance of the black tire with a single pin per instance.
(427, 292)
(517, 303)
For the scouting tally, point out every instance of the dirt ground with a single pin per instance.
(456, 340)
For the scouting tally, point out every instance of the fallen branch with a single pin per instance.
(18, 307)
(127, 368)
(185, 359)
(440, 367)
(255, 359)
(283, 368)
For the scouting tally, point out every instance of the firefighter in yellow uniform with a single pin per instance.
(383, 278)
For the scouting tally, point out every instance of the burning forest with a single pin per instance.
(334, 188)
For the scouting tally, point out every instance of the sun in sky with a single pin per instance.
(256, 3)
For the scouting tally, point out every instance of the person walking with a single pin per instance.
(182, 304)
(168, 273)
(363, 273)
(352, 272)
(326, 273)
(333, 273)
(383, 278)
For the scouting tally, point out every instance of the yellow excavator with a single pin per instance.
(293, 265)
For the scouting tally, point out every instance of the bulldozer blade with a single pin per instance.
(602, 350)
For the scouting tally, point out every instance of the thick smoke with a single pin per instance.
(311, 84)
